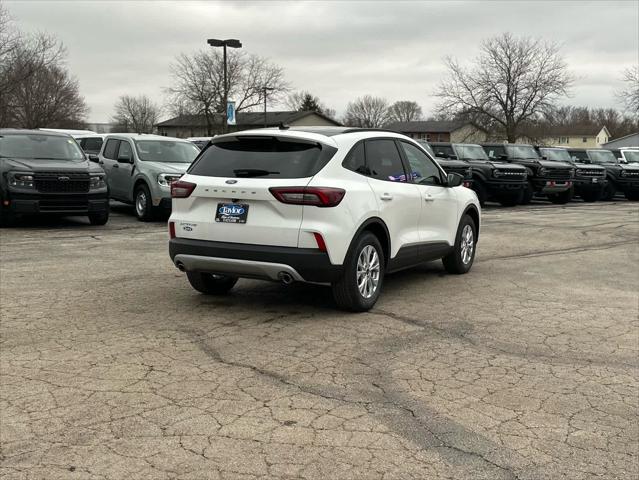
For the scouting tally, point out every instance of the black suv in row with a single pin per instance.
(589, 181)
(44, 172)
(499, 181)
(550, 178)
(623, 178)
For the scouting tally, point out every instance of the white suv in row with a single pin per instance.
(331, 205)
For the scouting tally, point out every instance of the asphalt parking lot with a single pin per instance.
(526, 368)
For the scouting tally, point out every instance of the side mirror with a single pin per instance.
(503, 158)
(93, 158)
(544, 157)
(125, 159)
(452, 157)
(454, 180)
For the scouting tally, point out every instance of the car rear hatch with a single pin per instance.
(237, 194)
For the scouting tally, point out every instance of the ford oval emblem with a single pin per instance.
(231, 182)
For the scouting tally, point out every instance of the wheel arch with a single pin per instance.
(472, 212)
(377, 227)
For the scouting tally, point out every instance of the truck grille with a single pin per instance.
(561, 173)
(512, 173)
(60, 182)
(631, 173)
(592, 173)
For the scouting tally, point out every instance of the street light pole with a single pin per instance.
(233, 43)
(266, 89)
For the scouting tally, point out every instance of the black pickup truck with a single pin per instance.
(590, 180)
(46, 173)
(545, 177)
(502, 182)
(620, 177)
(451, 165)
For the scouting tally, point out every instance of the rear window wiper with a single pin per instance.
(252, 172)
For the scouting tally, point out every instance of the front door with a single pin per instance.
(122, 175)
(438, 219)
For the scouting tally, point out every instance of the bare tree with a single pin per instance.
(35, 88)
(404, 111)
(303, 101)
(198, 83)
(136, 114)
(628, 96)
(367, 112)
(514, 80)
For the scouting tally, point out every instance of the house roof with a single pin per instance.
(625, 137)
(428, 126)
(577, 130)
(245, 119)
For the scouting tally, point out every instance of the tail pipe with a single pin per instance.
(285, 278)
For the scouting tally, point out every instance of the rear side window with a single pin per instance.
(356, 160)
(443, 151)
(92, 144)
(111, 148)
(264, 157)
(384, 162)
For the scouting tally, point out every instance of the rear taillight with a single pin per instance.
(316, 196)
(171, 229)
(182, 189)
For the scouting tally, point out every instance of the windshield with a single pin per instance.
(41, 147)
(602, 156)
(631, 155)
(521, 152)
(268, 157)
(470, 152)
(555, 154)
(166, 151)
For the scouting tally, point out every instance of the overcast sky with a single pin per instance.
(338, 50)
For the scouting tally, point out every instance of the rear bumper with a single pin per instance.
(67, 204)
(253, 261)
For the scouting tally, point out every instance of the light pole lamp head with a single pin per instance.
(233, 43)
(214, 42)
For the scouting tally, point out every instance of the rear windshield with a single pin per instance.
(265, 157)
(166, 151)
(41, 147)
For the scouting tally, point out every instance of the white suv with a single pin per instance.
(332, 205)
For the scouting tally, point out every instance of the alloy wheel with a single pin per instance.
(467, 244)
(368, 271)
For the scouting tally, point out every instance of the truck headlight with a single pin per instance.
(166, 179)
(542, 172)
(623, 173)
(20, 180)
(579, 171)
(97, 181)
(496, 173)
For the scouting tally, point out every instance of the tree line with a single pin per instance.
(513, 88)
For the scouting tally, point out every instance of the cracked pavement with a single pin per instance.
(526, 368)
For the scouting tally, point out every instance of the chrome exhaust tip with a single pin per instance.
(180, 266)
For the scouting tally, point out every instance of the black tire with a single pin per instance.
(454, 261)
(480, 190)
(210, 284)
(511, 199)
(561, 198)
(609, 191)
(99, 218)
(591, 195)
(632, 196)
(529, 192)
(346, 292)
(143, 204)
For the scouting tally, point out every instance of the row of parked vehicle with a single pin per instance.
(513, 174)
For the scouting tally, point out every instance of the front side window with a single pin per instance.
(111, 149)
(40, 147)
(125, 151)
(384, 162)
(423, 169)
(166, 151)
(443, 151)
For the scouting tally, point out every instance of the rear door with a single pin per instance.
(233, 202)
(399, 200)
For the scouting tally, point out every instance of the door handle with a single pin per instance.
(386, 196)
(115, 165)
(429, 198)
